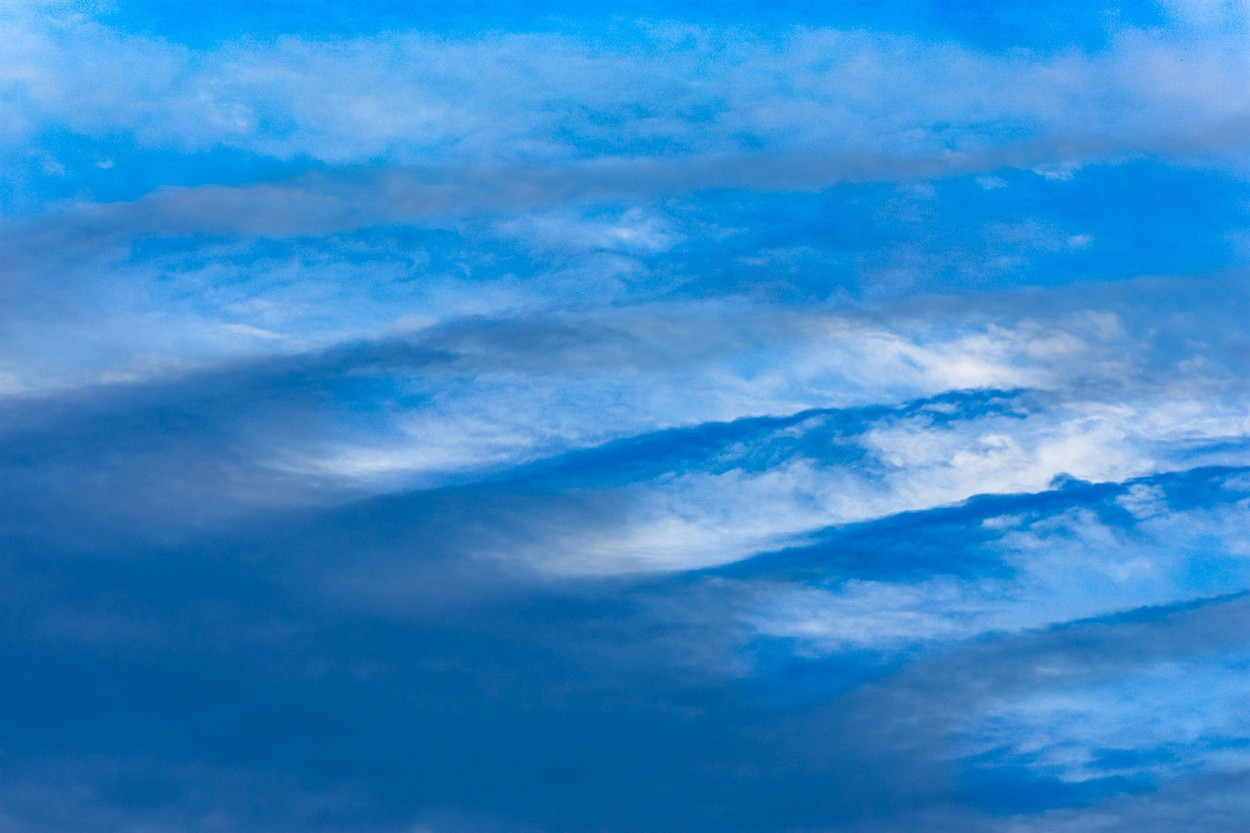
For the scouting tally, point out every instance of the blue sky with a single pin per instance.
(672, 417)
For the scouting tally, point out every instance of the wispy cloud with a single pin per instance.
(662, 89)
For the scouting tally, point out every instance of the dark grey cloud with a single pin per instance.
(182, 684)
(355, 666)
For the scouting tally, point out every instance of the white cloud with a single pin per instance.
(1143, 500)
(1168, 719)
(1063, 568)
(632, 230)
(410, 97)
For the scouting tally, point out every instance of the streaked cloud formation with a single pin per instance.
(683, 418)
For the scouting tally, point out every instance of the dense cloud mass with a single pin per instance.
(683, 417)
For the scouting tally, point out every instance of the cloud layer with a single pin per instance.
(690, 419)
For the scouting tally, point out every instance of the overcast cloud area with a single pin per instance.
(683, 417)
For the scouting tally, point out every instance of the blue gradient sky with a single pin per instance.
(674, 417)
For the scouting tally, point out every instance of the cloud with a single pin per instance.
(1034, 563)
(622, 425)
(411, 97)
(478, 397)
(105, 292)
(407, 658)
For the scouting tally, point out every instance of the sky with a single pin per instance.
(749, 417)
